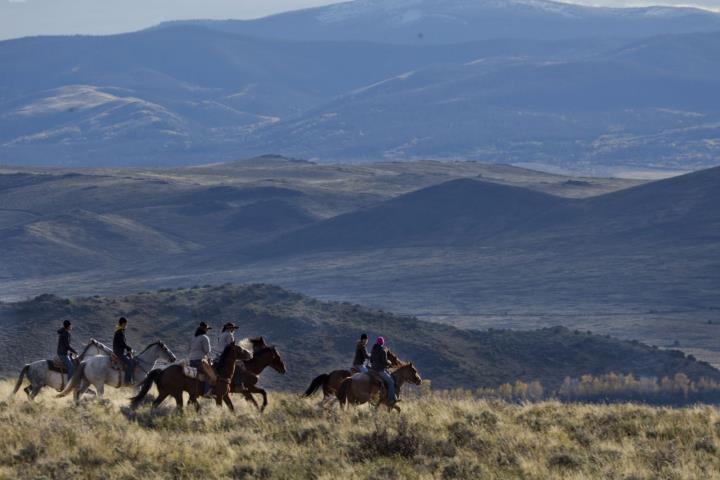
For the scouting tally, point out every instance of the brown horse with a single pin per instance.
(362, 387)
(245, 379)
(172, 381)
(330, 382)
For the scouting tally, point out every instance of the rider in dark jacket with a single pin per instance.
(380, 363)
(123, 350)
(361, 354)
(64, 347)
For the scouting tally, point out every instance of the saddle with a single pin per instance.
(203, 374)
(116, 363)
(57, 365)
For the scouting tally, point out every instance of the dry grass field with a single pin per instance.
(434, 437)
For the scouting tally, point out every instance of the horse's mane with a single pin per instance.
(224, 355)
(148, 347)
(99, 345)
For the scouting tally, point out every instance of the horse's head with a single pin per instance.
(277, 362)
(258, 343)
(409, 373)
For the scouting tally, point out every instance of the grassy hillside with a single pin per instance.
(316, 336)
(434, 437)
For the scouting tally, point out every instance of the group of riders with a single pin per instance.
(376, 361)
(121, 349)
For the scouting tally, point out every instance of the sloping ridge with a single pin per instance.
(465, 212)
(460, 211)
(683, 210)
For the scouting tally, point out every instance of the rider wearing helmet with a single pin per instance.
(64, 348)
(123, 350)
(380, 363)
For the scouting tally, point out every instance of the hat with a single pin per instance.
(229, 326)
(122, 320)
(205, 326)
(66, 323)
(380, 341)
(363, 336)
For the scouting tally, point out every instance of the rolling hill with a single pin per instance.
(675, 213)
(315, 336)
(460, 243)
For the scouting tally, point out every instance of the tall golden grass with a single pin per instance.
(433, 437)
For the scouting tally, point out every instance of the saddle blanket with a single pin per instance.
(192, 372)
(56, 365)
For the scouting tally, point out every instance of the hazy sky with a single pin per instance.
(20, 18)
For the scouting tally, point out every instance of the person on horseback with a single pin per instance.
(227, 337)
(361, 354)
(200, 350)
(64, 348)
(379, 362)
(123, 350)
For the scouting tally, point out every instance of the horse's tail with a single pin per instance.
(20, 378)
(152, 377)
(319, 381)
(342, 393)
(74, 381)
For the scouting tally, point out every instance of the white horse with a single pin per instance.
(99, 370)
(40, 374)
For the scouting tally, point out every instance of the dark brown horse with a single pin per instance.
(172, 381)
(330, 382)
(245, 379)
(362, 387)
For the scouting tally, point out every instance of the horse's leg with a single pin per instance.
(255, 389)
(229, 403)
(28, 391)
(179, 400)
(161, 396)
(193, 400)
(250, 398)
(34, 391)
(100, 388)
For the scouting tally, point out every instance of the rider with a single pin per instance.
(361, 354)
(200, 350)
(227, 337)
(123, 350)
(379, 362)
(64, 348)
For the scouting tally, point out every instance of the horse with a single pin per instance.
(41, 375)
(245, 379)
(172, 381)
(331, 382)
(362, 388)
(99, 370)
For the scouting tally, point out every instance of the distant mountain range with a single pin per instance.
(458, 21)
(565, 87)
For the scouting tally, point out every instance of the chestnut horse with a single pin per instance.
(245, 379)
(362, 387)
(172, 381)
(330, 382)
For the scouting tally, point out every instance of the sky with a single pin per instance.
(20, 18)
